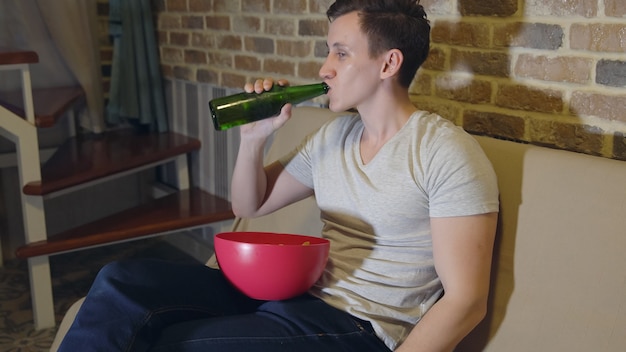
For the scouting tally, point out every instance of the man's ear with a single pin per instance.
(392, 62)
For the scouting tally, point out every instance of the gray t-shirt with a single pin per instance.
(376, 215)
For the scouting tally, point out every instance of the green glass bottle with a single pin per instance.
(242, 108)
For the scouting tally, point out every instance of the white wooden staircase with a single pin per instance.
(81, 162)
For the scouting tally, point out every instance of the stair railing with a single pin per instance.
(23, 133)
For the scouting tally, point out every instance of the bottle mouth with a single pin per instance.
(216, 123)
(326, 87)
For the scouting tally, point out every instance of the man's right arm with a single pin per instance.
(257, 190)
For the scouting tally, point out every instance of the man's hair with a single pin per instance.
(391, 24)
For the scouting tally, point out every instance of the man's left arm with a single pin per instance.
(462, 251)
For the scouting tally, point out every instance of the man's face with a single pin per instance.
(351, 73)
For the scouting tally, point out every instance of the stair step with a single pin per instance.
(12, 56)
(88, 158)
(177, 211)
(49, 103)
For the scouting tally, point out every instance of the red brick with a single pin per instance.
(233, 80)
(598, 37)
(290, 6)
(256, 6)
(313, 27)
(192, 22)
(460, 89)
(247, 63)
(436, 58)
(202, 40)
(229, 42)
(167, 21)
(615, 8)
(247, 24)
(172, 55)
(494, 124)
(176, 5)
(609, 107)
(489, 63)
(207, 76)
(293, 48)
(500, 8)
(557, 69)
(280, 67)
(162, 38)
(525, 98)
(195, 57)
(259, 45)
(280, 26)
(200, 5)
(309, 70)
(319, 6)
(562, 8)
(528, 35)
(568, 136)
(321, 49)
(183, 73)
(461, 33)
(178, 38)
(227, 5)
(221, 60)
(217, 22)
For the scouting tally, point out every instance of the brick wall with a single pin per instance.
(548, 72)
(106, 46)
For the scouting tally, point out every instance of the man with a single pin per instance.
(409, 203)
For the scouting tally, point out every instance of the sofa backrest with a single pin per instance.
(559, 278)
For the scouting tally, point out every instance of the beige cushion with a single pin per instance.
(560, 282)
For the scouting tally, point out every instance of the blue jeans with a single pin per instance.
(151, 305)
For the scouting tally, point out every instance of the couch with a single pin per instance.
(558, 276)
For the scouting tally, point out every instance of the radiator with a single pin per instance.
(212, 167)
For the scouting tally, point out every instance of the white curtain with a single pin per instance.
(64, 33)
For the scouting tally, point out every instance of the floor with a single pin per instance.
(72, 275)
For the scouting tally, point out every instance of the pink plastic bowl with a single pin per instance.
(271, 266)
